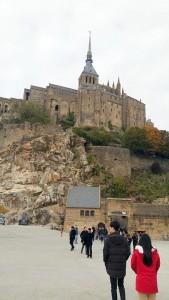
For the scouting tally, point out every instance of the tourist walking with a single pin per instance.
(83, 236)
(116, 251)
(77, 233)
(145, 262)
(72, 235)
(89, 242)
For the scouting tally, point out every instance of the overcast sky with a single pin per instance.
(45, 41)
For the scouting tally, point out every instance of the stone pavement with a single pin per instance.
(37, 264)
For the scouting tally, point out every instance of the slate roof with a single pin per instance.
(83, 197)
(89, 69)
(151, 210)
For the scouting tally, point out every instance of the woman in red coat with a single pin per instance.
(145, 262)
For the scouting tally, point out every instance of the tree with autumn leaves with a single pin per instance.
(147, 140)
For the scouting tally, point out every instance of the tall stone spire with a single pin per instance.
(89, 52)
(89, 76)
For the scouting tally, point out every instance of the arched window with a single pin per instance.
(93, 81)
(86, 79)
(90, 79)
(6, 108)
(56, 107)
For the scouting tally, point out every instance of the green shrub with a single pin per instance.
(90, 157)
(136, 140)
(118, 188)
(156, 168)
(95, 136)
(68, 121)
(110, 125)
(148, 186)
(33, 113)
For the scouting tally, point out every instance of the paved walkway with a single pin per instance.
(37, 264)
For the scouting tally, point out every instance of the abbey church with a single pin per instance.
(93, 104)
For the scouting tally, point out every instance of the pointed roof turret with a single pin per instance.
(88, 77)
(118, 82)
(118, 87)
(89, 69)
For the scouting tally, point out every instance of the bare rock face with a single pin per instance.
(36, 173)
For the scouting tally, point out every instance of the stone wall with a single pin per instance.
(73, 217)
(99, 107)
(120, 162)
(11, 133)
(152, 218)
(114, 159)
(134, 112)
(139, 162)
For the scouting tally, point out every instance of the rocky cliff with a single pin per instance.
(36, 173)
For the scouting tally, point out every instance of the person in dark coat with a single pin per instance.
(116, 251)
(89, 242)
(83, 235)
(72, 235)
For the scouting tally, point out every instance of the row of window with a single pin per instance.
(87, 213)
(5, 110)
(90, 80)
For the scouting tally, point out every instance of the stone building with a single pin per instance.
(93, 104)
(83, 207)
(86, 207)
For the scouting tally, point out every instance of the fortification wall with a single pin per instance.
(11, 133)
(120, 162)
(114, 159)
(139, 162)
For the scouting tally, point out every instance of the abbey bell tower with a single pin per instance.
(88, 77)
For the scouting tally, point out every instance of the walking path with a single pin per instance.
(37, 264)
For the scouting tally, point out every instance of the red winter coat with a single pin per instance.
(146, 278)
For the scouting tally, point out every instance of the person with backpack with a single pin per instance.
(145, 262)
(116, 251)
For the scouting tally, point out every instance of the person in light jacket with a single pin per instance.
(145, 262)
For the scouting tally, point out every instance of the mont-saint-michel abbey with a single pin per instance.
(93, 104)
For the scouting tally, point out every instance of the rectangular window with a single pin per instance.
(86, 213)
(92, 213)
(82, 213)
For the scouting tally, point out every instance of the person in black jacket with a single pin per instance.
(116, 251)
(89, 242)
(83, 238)
(72, 235)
